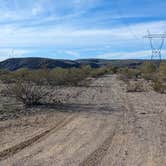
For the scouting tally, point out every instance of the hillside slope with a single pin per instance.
(37, 63)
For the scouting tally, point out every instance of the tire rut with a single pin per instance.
(17, 148)
(96, 157)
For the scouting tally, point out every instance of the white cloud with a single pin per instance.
(73, 53)
(63, 35)
(38, 9)
(128, 55)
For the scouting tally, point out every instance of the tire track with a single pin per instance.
(15, 149)
(96, 157)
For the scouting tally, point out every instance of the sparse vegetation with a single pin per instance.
(159, 87)
(57, 76)
(148, 71)
(27, 86)
(27, 92)
(125, 74)
(162, 71)
(148, 67)
(135, 86)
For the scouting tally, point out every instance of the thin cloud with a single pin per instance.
(145, 54)
(94, 25)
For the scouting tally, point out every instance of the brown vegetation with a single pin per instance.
(28, 86)
(149, 72)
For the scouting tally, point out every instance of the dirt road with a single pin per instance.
(110, 128)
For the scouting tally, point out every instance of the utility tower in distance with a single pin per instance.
(156, 51)
(11, 54)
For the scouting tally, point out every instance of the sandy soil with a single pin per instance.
(103, 125)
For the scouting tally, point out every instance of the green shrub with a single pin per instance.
(61, 76)
(7, 77)
(148, 71)
(126, 74)
(99, 72)
(112, 69)
(86, 69)
(159, 87)
(148, 68)
(162, 71)
(57, 76)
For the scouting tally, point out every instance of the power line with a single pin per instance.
(126, 23)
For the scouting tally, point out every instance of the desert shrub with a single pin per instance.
(58, 76)
(148, 71)
(2, 72)
(21, 74)
(27, 92)
(54, 77)
(112, 69)
(159, 87)
(162, 71)
(76, 76)
(12, 77)
(70, 77)
(148, 67)
(99, 72)
(86, 69)
(7, 77)
(125, 74)
(135, 87)
(40, 76)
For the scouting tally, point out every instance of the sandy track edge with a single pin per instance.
(16, 148)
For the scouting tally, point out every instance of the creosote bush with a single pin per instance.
(29, 86)
(125, 74)
(148, 67)
(159, 86)
(99, 72)
(148, 71)
(162, 71)
(54, 77)
(27, 92)
(155, 76)
(135, 87)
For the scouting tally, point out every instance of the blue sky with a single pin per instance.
(76, 29)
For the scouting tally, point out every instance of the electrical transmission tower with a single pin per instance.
(156, 51)
(11, 54)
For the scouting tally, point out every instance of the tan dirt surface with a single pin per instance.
(102, 126)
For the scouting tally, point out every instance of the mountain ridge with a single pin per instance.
(37, 63)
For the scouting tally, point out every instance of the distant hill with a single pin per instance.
(103, 62)
(37, 63)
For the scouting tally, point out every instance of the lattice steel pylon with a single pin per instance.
(156, 51)
(11, 54)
